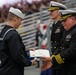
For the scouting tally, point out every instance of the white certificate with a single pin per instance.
(40, 53)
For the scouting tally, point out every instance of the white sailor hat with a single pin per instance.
(56, 6)
(67, 13)
(17, 12)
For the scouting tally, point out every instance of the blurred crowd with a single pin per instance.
(25, 7)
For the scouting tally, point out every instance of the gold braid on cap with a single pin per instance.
(64, 17)
(53, 8)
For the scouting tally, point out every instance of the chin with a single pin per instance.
(65, 28)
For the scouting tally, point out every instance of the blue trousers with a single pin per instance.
(46, 72)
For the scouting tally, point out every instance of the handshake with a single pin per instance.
(34, 61)
(47, 62)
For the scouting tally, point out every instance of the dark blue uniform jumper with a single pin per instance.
(14, 61)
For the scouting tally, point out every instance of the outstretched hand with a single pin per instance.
(46, 59)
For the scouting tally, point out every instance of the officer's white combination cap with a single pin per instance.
(67, 13)
(56, 6)
(17, 12)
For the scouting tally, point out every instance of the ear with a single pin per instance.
(73, 18)
(14, 19)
